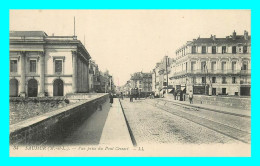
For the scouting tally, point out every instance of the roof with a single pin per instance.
(140, 75)
(212, 40)
(27, 34)
(229, 40)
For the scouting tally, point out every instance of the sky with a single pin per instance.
(128, 41)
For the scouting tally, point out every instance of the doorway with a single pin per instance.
(13, 88)
(58, 87)
(32, 88)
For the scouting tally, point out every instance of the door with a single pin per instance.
(58, 88)
(223, 91)
(214, 91)
(32, 88)
(13, 88)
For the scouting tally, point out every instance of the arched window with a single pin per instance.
(13, 85)
(58, 87)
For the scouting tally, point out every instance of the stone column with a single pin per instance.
(23, 68)
(74, 74)
(42, 73)
(87, 75)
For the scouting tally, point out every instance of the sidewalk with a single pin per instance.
(235, 111)
(115, 131)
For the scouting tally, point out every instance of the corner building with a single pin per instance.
(214, 66)
(42, 65)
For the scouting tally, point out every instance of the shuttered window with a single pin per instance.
(58, 66)
(13, 65)
(33, 66)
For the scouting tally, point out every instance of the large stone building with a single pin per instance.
(214, 66)
(161, 76)
(42, 65)
(142, 81)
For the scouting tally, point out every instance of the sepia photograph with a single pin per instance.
(129, 83)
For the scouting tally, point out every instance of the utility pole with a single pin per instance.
(74, 27)
(167, 74)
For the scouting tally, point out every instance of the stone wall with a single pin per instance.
(225, 101)
(41, 129)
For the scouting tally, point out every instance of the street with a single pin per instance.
(154, 122)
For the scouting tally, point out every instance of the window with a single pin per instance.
(203, 79)
(234, 66)
(214, 80)
(203, 66)
(223, 66)
(245, 49)
(194, 80)
(13, 65)
(233, 80)
(234, 49)
(58, 66)
(224, 91)
(214, 50)
(140, 82)
(224, 49)
(193, 66)
(245, 66)
(33, 66)
(193, 51)
(203, 50)
(224, 81)
(164, 83)
(213, 66)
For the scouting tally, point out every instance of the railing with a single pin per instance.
(244, 82)
(199, 71)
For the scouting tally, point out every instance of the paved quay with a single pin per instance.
(151, 125)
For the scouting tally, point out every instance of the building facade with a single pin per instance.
(142, 81)
(42, 65)
(161, 82)
(214, 66)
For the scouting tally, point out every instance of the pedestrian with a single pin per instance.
(191, 97)
(111, 97)
(122, 97)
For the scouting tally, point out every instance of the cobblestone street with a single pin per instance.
(151, 125)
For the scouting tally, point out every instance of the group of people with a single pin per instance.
(111, 96)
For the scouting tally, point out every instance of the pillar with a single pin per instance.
(42, 77)
(22, 91)
(74, 74)
(87, 68)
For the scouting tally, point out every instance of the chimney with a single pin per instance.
(234, 35)
(246, 35)
(214, 37)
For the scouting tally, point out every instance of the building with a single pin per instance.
(214, 66)
(160, 77)
(142, 81)
(96, 77)
(42, 65)
(106, 82)
(126, 88)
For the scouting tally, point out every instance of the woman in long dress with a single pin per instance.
(111, 99)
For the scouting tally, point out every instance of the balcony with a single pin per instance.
(205, 72)
(245, 82)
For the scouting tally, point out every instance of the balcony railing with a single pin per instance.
(212, 72)
(244, 82)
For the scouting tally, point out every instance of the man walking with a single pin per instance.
(191, 97)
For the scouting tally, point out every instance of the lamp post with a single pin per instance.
(205, 78)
